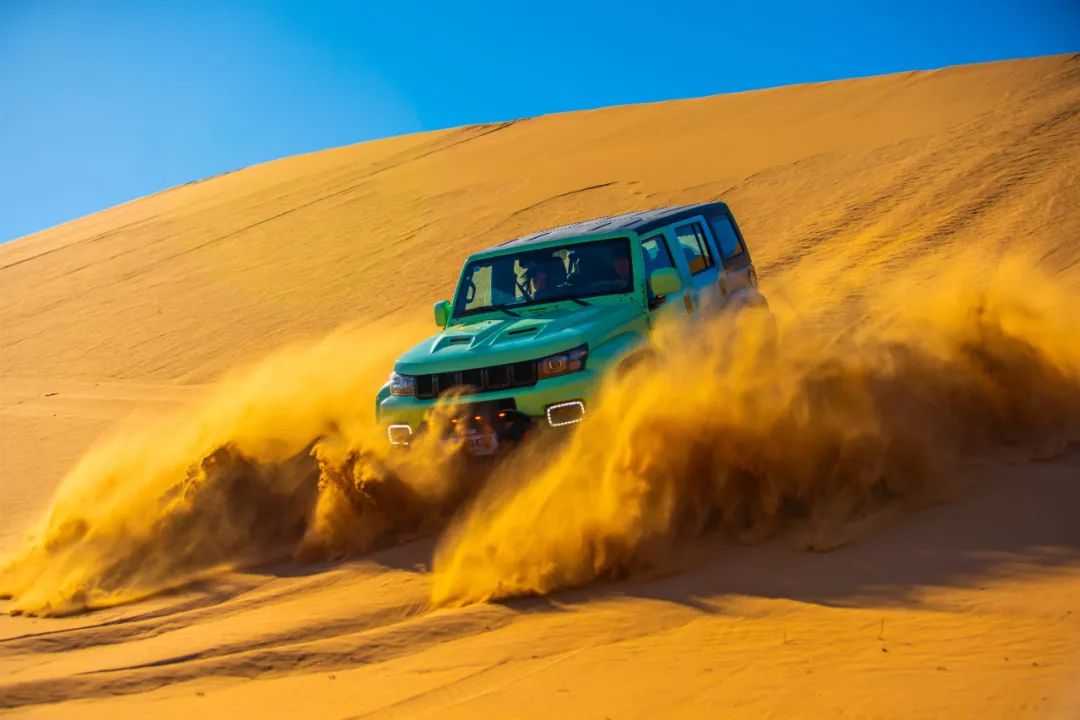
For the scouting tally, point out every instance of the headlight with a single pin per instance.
(402, 384)
(563, 363)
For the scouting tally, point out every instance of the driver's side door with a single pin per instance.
(656, 254)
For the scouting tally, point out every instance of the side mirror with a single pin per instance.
(664, 282)
(442, 313)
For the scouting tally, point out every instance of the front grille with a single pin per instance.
(497, 378)
(523, 373)
(477, 380)
(472, 378)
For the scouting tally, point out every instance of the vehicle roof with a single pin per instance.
(639, 221)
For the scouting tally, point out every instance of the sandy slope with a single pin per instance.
(967, 608)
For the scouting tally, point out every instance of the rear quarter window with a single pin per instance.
(726, 237)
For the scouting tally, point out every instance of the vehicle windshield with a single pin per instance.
(569, 272)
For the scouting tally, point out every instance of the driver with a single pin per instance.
(546, 277)
(616, 273)
(620, 267)
(602, 269)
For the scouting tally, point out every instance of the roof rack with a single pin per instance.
(638, 221)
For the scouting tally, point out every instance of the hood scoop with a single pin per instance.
(527, 330)
(452, 341)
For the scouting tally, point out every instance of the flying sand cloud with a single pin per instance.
(735, 425)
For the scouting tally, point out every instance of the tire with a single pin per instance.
(646, 356)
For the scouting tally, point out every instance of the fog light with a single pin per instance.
(565, 413)
(399, 434)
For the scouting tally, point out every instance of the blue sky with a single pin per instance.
(103, 102)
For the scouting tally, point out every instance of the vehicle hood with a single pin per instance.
(499, 340)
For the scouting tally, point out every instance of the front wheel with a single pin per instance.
(645, 358)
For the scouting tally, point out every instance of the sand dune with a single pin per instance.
(858, 198)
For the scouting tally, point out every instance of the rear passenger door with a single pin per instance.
(698, 255)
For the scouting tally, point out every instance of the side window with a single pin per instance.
(693, 246)
(655, 253)
(726, 237)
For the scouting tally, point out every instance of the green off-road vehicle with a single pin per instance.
(537, 321)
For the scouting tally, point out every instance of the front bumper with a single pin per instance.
(527, 403)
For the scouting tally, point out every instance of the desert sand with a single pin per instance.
(133, 343)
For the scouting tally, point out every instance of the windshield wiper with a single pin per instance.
(506, 310)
